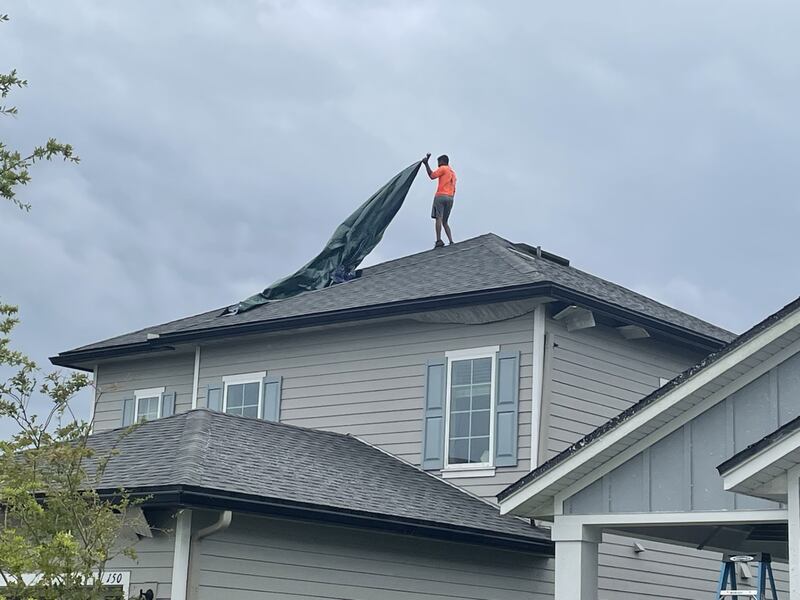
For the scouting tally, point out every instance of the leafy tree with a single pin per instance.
(15, 165)
(53, 524)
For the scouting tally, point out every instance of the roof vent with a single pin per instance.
(537, 252)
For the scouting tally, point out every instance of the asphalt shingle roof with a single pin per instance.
(487, 262)
(252, 457)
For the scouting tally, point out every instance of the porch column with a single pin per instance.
(793, 509)
(576, 560)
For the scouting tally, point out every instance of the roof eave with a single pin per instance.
(84, 359)
(199, 497)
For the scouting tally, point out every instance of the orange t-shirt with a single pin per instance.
(447, 180)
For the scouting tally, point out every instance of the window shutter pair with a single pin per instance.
(270, 395)
(506, 416)
(129, 408)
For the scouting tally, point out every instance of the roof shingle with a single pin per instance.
(487, 262)
(252, 457)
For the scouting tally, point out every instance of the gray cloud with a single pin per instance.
(652, 143)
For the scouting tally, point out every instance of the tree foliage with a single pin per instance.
(54, 524)
(14, 164)
(56, 532)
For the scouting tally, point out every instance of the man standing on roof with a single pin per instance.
(443, 199)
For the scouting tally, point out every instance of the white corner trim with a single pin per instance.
(486, 351)
(148, 392)
(244, 378)
(758, 462)
(180, 557)
(196, 377)
(93, 405)
(793, 504)
(451, 473)
(537, 385)
(667, 401)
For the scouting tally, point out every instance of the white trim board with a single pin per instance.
(654, 519)
(539, 487)
(149, 392)
(196, 377)
(537, 384)
(755, 464)
(244, 378)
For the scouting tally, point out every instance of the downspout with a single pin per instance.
(183, 575)
(538, 380)
(221, 524)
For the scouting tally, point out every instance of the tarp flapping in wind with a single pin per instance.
(348, 246)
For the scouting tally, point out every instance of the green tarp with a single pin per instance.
(348, 246)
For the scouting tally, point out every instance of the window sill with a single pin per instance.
(464, 473)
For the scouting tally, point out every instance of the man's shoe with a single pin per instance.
(439, 244)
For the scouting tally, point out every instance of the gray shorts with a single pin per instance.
(442, 205)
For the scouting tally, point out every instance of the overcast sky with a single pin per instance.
(652, 143)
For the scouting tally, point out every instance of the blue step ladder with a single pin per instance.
(727, 587)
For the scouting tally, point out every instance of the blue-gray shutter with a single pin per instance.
(433, 417)
(127, 412)
(214, 396)
(167, 404)
(506, 415)
(271, 407)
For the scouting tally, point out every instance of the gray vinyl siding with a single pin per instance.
(595, 373)
(368, 380)
(264, 559)
(686, 460)
(118, 380)
(690, 574)
(153, 562)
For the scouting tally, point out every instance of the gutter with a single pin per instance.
(208, 499)
(77, 359)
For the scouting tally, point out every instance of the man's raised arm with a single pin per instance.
(427, 166)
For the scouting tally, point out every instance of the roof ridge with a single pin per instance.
(435, 252)
(193, 445)
(267, 424)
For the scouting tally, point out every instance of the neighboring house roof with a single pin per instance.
(254, 465)
(761, 347)
(484, 269)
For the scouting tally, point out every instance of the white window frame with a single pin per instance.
(484, 469)
(146, 393)
(229, 380)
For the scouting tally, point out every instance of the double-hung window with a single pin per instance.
(243, 394)
(147, 404)
(470, 395)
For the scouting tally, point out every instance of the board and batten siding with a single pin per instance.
(118, 380)
(594, 374)
(369, 380)
(679, 472)
(271, 559)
